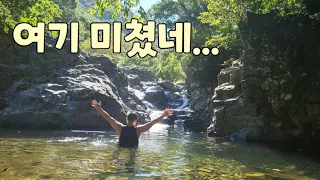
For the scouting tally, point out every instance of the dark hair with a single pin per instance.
(132, 116)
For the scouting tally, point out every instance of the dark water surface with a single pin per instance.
(166, 152)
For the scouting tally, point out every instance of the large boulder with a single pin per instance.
(168, 85)
(227, 104)
(231, 75)
(54, 90)
(236, 73)
(143, 73)
(156, 96)
(279, 83)
(226, 91)
(280, 79)
(63, 103)
(142, 83)
(200, 107)
(134, 80)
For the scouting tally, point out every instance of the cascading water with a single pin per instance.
(155, 97)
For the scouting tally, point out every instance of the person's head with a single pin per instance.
(132, 119)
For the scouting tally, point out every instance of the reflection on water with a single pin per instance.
(166, 152)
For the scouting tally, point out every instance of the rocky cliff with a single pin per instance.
(201, 107)
(53, 90)
(277, 96)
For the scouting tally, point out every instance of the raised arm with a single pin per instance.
(147, 126)
(115, 124)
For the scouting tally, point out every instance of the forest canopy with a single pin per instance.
(214, 25)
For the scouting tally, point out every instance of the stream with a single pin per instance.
(165, 152)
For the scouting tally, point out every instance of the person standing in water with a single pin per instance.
(129, 134)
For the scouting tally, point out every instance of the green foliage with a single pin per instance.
(74, 11)
(171, 11)
(224, 15)
(215, 25)
(29, 11)
(86, 47)
(67, 8)
(119, 6)
(202, 69)
(6, 20)
(170, 68)
(166, 65)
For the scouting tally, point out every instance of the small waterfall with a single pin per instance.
(154, 96)
(185, 102)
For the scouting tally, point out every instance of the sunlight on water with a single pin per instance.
(159, 128)
(165, 152)
(70, 139)
(155, 114)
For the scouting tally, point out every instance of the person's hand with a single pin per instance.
(168, 112)
(96, 104)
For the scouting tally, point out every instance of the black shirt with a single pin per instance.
(128, 137)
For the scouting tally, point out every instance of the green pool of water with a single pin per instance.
(166, 152)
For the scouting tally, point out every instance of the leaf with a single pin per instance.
(92, 11)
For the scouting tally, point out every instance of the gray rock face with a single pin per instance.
(168, 86)
(143, 73)
(54, 90)
(278, 98)
(231, 113)
(227, 103)
(201, 108)
(156, 95)
(231, 75)
(143, 84)
(134, 80)
(279, 80)
(234, 115)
